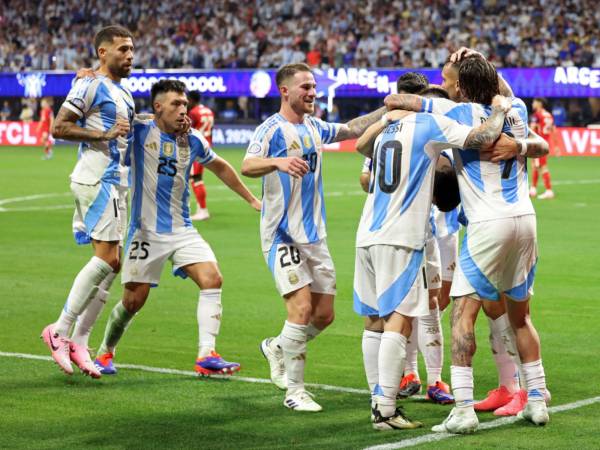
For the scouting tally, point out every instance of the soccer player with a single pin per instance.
(161, 227)
(286, 151)
(427, 331)
(203, 120)
(499, 253)
(45, 125)
(542, 122)
(97, 112)
(389, 277)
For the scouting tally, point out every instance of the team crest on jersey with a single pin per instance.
(293, 277)
(307, 141)
(168, 149)
(184, 153)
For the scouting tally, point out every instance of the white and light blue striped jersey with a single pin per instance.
(160, 171)
(485, 194)
(404, 160)
(293, 210)
(98, 102)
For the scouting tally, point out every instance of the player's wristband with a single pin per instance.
(384, 120)
(523, 149)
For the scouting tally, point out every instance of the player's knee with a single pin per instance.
(212, 280)
(324, 319)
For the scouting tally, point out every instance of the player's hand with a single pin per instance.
(392, 101)
(501, 102)
(256, 204)
(187, 126)
(464, 52)
(86, 72)
(292, 165)
(119, 129)
(504, 148)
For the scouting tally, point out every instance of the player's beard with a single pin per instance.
(121, 70)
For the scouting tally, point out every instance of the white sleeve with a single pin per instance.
(81, 96)
(449, 134)
(367, 164)
(438, 105)
(259, 144)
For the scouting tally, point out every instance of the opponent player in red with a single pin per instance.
(45, 125)
(202, 120)
(542, 123)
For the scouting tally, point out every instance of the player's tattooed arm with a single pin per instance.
(366, 142)
(356, 127)
(65, 127)
(488, 132)
(507, 148)
(408, 102)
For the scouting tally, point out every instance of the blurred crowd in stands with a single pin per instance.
(56, 34)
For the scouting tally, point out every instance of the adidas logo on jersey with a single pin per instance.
(435, 343)
(294, 146)
(300, 357)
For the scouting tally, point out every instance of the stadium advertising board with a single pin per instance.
(342, 82)
(571, 141)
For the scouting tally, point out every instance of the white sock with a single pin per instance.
(535, 379)
(209, 320)
(85, 322)
(371, 341)
(118, 322)
(293, 343)
(431, 344)
(412, 350)
(83, 290)
(392, 356)
(462, 385)
(312, 332)
(508, 371)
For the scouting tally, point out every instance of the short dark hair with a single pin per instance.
(289, 70)
(194, 96)
(411, 82)
(445, 189)
(107, 34)
(543, 101)
(163, 86)
(434, 92)
(478, 80)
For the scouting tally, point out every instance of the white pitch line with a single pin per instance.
(434, 437)
(32, 197)
(325, 387)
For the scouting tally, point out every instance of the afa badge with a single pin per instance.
(293, 277)
(307, 141)
(168, 149)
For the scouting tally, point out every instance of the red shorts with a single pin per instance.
(197, 169)
(542, 161)
(45, 137)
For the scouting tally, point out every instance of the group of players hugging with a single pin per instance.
(436, 157)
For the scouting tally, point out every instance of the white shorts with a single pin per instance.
(497, 256)
(390, 278)
(147, 252)
(433, 268)
(448, 246)
(100, 212)
(297, 265)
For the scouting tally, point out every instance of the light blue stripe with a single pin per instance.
(308, 188)
(381, 200)
(510, 185)
(97, 208)
(521, 292)
(452, 224)
(140, 133)
(361, 308)
(426, 129)
(283, 232)
(164, 191)
(483, 287)
(272, 255)
(108, 114)
(396, 293)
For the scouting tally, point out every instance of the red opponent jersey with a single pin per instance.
(46, 115)
(202, 120)
(542, 123)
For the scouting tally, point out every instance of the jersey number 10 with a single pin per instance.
(384, 171)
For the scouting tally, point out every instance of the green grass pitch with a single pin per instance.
(43, 408)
